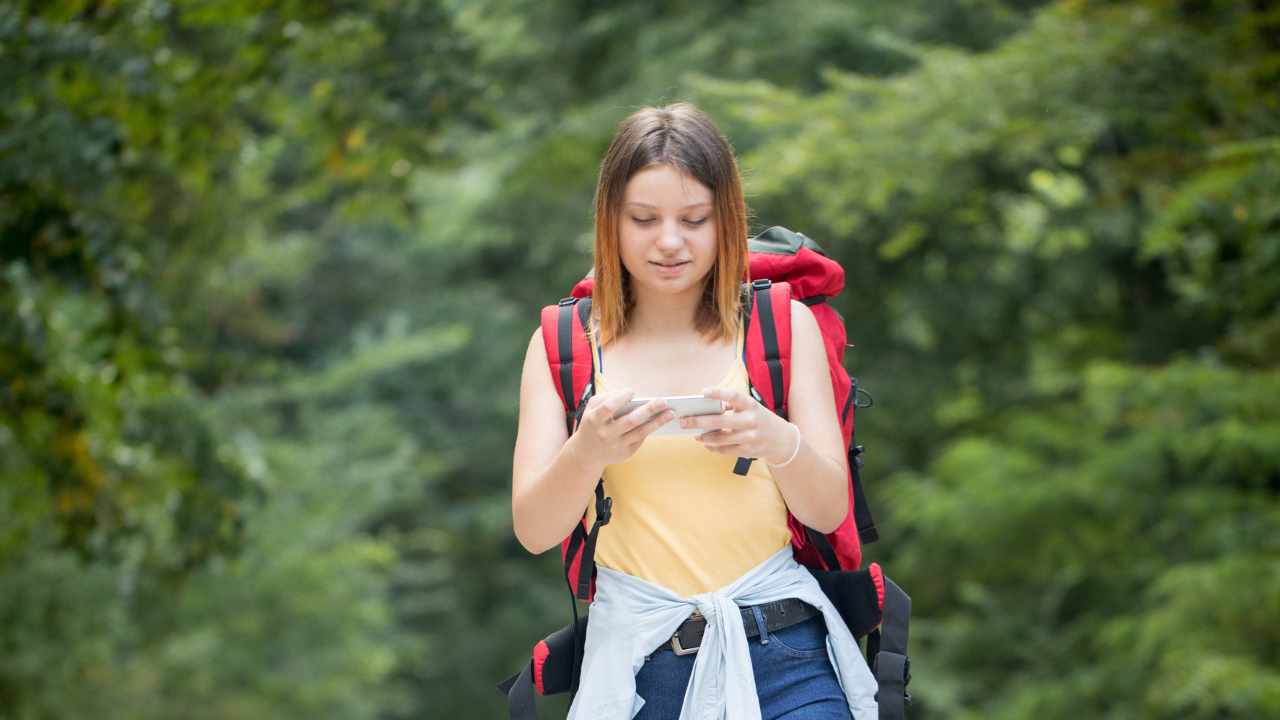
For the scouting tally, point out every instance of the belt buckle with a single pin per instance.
(679, 649)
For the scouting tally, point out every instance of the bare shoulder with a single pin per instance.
(802, 320)
(808, 350)
(535, 356)
(540, 428)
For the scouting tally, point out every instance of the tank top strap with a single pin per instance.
(597, 365)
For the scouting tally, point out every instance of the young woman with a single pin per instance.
(693, 552)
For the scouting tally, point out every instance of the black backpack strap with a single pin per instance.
(887, 650)
(519, 691)
(772, 349)
(759, 293)
(825, 549)
(564, 341)
(743, 465)
(576, 539)
(587, 568)
(866, 524)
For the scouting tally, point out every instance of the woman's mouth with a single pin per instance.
(671, 269)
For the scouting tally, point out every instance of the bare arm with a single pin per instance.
(553, 474)
(550, 483)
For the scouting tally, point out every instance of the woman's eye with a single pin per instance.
(648, 221)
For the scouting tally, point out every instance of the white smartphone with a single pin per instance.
(683, 406)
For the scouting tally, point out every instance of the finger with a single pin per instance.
(733, 400)
(647, 427)
(725, 421)
(613, 402)
(598, 400)
(723, 435)
(717, 445)
(642, 414)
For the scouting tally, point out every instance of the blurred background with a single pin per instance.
(268, 272)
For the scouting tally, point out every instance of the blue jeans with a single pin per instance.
(794, 677)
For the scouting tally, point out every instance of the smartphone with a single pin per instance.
(683, 406)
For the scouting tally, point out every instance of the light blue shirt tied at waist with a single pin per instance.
(630, 617)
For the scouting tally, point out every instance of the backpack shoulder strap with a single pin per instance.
(768, 358)
(569, 358)
(767, 349)
(569, 353)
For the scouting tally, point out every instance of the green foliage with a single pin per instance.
(268, 270)
(1143, 508)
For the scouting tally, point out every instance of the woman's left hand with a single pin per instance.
(745, 429)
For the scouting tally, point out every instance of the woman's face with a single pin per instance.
(667, 231)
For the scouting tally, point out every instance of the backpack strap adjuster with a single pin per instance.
(761, 284)
(604, 510)
(567, 301)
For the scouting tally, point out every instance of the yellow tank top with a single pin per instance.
(681, 517)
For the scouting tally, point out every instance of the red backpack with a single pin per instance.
(784, 265)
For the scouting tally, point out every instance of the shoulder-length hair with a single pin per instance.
(682, 136)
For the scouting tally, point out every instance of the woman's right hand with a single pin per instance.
(606, 440)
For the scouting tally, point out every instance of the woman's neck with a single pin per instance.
(658, 315)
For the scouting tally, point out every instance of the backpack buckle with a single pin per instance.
(567, 301)
(604, 511)
(761, 284)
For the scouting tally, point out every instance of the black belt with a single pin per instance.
(777, 615)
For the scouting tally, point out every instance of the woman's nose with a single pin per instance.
(670, 239)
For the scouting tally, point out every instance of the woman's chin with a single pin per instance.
(674, 286)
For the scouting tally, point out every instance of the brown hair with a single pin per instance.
(682, 136)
